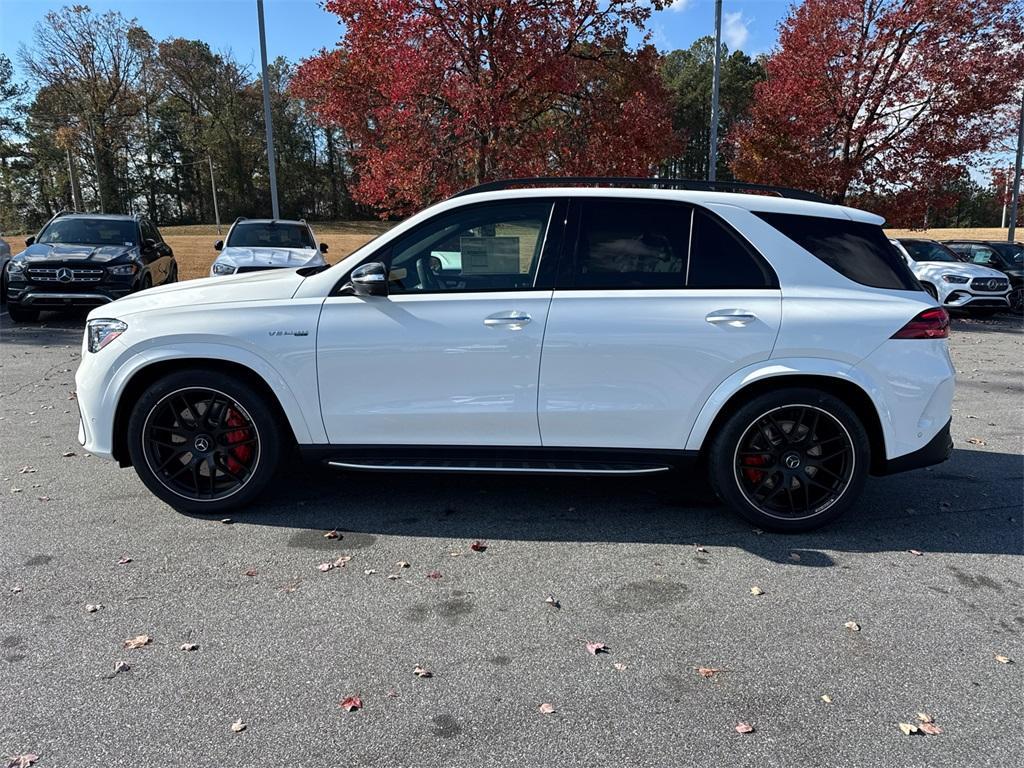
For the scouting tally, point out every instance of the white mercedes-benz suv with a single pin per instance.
(253, 245)
(591, 326)
(979, 290)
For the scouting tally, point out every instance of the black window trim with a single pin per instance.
(567, 267)
(548, 260)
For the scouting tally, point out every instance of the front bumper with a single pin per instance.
(29, 295)
(936, 451)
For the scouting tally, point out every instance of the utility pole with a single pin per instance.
(213, 188)
(1015, 202)
(266, 113)
(713, 151)
(1006, 194)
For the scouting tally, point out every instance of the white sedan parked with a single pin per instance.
(955, 284)
(253, 245)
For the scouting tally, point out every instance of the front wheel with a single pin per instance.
(204, 441)
(791, 460)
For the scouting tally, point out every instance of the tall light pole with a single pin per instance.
(266, 113)
(1015, 202)
(713, 151)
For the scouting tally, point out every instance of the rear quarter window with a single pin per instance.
(856, 250)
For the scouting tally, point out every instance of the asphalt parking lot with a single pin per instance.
(929, 567)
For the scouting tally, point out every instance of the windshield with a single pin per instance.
(1012, 253)
(924, 250)
(270, 235)
(91, 232)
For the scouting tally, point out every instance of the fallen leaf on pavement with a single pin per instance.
(756, 591)
(595, 648)
(619, 665)
(22, 761)
(238, 726)
(546, 709)
(402, 564)
(121, 666)
(478, 546)
(930, 728)
(67, 454)
(189, 647)
(708, 671)
(924, 717)
(550, 600)
(827, 699)
(422, 672)
(325, 567)
(138, 641)
(251, 572)
(332, 535)
(124, 560)
(350, 703)
(853, 626)
(93, 607)
(744, 728)
(1004, 659)
(434, 575)
(976, 441)
(915, 552)
(341, 561)
(908, 728)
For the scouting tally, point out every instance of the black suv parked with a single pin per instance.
(998, 254)
(84, 260)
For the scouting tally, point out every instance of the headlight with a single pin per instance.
(955, 279)
(15, 267)
(223, 269)
(123, 269)
(102, 331)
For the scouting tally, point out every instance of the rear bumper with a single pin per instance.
(936, 451)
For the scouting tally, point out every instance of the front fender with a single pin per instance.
(105, 395)
(796, 366)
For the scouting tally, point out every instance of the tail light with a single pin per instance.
(930, 324)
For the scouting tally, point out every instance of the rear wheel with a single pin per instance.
(791, 460)
(21, 315)
(204, 441)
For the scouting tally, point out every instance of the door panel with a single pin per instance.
(631, 369)
(432, 369)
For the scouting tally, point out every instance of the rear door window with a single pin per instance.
(857, 250)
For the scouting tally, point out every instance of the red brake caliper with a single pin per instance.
(754, 475)
(237, 457)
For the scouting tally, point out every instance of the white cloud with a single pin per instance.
(680, 5)
(734, 30)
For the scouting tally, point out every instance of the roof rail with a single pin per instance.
(240, 218)
(630, 181)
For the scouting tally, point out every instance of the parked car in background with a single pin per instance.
(84, 260)
(998, 254)
(257, 244)
(976, 289)
(5, 256)
(612, 330)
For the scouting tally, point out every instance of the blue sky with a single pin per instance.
(299, 28)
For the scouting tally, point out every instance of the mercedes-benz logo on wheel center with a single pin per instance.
(202, 444)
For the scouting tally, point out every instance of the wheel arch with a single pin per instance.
(147, 374)
(851, 393)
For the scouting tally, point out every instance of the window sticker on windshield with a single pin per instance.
(128, 242)
(489, 255)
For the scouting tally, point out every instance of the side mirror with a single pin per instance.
(219, 245)
(323, 247)
(148, 244)
(369, 280)
(30, 240)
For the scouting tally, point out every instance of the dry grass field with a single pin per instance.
(193, 245)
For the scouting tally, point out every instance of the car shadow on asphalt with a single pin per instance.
(971, 504)
(52, 329)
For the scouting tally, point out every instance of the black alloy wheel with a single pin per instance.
(201, 444)
(795, 461)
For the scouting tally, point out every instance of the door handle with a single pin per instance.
(734, 317)
(513, 319)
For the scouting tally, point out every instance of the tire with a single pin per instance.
(176, 414)
(760, 435)
(173, 276)
(20, 315)
(930, 290)
(147, 282)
